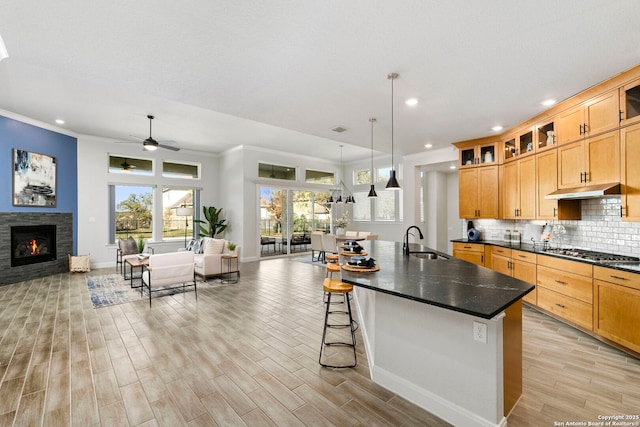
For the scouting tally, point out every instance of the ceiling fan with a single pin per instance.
(151, 144)
(126, 167)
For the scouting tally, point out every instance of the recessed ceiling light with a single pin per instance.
(497, 128)
(452, 167)
(428, 145)
(411, 101)
(60, 121)
(548, 102)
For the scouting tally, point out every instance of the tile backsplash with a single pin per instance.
(601, 228)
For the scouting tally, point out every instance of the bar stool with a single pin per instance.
(331, 257)
(335, 286)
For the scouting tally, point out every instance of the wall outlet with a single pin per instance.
(480, 332)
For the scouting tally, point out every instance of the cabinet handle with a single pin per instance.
(584, 127)
(560, 305)
(555, 212)
(580, 129)
(586, 176)
(522, 256)
(482, 259)
(618, 277)
(581, 177)
(561, 282)
(620, 117)
(467, 247)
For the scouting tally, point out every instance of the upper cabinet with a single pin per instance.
(518, 145)
(593, 117)
(595, 160)
(519, 189)
(478, 190)
(544, 136)
(630, 148)
(630, 103)
(478, 154)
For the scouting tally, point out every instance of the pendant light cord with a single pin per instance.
(392, 162)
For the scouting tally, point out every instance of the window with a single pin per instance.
(266, 170)
(362, 207)
(133, 211)
(383, 174)
(172, 224)
(362, 177)
(130, 165)
(388, 207)
(180, 170)
(319, 177)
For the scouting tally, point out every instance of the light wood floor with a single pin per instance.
(246, 354)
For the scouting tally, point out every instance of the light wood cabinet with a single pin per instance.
(518, 264)
(565, 289)
(519, 189)
(630, 103)
(478, 192)
(592, 161)
(630, 173)
(478, 154)
(595, 116)
(471, 252)
(617, 306)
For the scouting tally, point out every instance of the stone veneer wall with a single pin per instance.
(64, 245)
(601, 228)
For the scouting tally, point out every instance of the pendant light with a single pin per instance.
(392, 184)
(372, 192)
(339, 199)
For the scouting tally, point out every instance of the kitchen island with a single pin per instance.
(442, 333)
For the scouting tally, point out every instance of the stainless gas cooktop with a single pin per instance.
(592, 256)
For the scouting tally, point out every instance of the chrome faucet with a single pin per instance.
(405, 246)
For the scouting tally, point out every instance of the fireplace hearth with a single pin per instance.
(32, 244)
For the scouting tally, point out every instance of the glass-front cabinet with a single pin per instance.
(630, 103)
(545, 136)
(510, 148)
(477, 154)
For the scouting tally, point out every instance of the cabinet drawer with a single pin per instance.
(623, 278)
(469, 247)
(523, 256)
(498, 250)
(566, 265)
(566, 307)
(565, 283)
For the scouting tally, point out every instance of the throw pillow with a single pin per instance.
(197, 246)
(129, 246)
(214, 246)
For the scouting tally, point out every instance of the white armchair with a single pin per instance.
(209, 262)
(169, 271)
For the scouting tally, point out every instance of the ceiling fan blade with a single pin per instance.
(126, 142)
(168, 147)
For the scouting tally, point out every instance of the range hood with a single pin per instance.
(588, 192)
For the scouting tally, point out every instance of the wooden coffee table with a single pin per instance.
(135, 262)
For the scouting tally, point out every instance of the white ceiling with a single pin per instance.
(281, 74)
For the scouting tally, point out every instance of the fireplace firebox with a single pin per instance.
(31, 244)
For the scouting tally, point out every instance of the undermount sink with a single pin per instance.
(427, 255)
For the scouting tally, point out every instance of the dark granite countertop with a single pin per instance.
(448, 283)
(631, 266)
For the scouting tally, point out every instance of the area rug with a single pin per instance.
(111, 289)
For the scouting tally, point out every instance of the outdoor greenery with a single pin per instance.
(133, 216)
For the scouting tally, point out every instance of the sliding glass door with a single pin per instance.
(287, 218)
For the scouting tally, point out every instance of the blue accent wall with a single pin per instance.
(17, 134)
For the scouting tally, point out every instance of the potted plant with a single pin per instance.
(214, 223)
(232, 247)
(141, 243)
(341, 223)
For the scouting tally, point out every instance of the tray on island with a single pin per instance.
(359, 269)
(353, 254)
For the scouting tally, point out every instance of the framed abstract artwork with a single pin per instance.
(34, 179)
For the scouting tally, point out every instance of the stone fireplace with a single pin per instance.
(34, 244)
